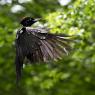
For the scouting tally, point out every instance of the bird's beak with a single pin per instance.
(37, 19)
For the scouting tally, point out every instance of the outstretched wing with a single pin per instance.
(52, 46)
(38, 45)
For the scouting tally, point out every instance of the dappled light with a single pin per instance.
(74, 74)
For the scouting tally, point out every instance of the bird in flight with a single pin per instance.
(38, 45)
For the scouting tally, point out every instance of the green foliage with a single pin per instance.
(74, 74)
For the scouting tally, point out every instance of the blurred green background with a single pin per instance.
(74, 74)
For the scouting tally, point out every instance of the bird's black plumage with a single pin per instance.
(28, 21)
(38, 45)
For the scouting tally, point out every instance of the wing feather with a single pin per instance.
(53, 46)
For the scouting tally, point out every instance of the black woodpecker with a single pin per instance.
(38, 45)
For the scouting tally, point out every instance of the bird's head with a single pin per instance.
(28, 21)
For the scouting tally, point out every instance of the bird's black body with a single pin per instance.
(37, 45)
